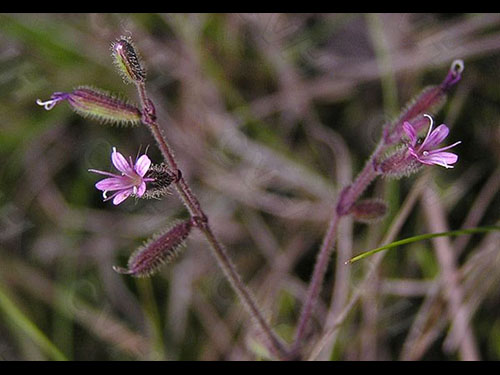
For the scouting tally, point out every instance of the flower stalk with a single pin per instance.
(428, 101)
(194, 208)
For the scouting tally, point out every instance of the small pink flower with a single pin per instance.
(427, 153)
(130, 182)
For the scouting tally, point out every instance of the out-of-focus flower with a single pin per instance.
(130, 182)
(427, 153)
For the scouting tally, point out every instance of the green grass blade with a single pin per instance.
(29, 328)
(424, 237)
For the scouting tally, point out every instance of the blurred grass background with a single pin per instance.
(270, 115)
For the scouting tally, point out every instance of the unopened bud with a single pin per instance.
(128, 61)
(369, 210)
(454, 74)
(160, 249)
(97, 104)
(429, 101)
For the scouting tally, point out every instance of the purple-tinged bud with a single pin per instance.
(369, 210)
(160, 186)
(429, 101)
(160, 249)
(97, 104)
(128, 61)
(454, 74)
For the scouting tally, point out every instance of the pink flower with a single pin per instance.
(427, 153)
(130, 182)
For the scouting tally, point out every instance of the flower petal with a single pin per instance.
(120, 162)
(410, 132)
(446, 148)
(141, 190)
(436, 137)
(142, 165)
(113, 183)
(444, 159)
(120, 197)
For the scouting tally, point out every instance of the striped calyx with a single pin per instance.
(160, 249)
(127, 60)
(103, 106)
(396, 163)
(97, 104)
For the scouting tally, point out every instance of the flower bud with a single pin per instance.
(127, 60)
(97, 104)
(429, 101)
(369, 210)
(160, 249)
(454, 74)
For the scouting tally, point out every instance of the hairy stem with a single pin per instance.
(193, 205)
(425, 102)
(347, 198)
(316, 281)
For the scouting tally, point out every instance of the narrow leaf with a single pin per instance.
(424, 237)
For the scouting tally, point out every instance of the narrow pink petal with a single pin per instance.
(120, 197)
(112, 183)
(120, 162)
(436, 137)
(445, 148)
(141, 190)
(410, 132)
(142, 165)
(444, 159)
(104, 173)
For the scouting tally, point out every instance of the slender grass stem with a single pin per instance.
(29, 328)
